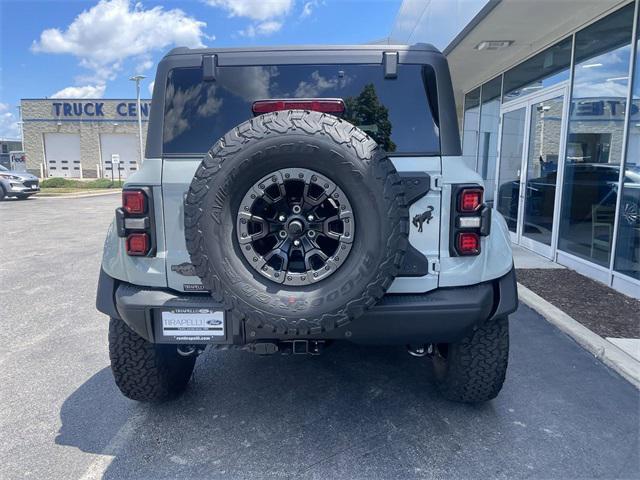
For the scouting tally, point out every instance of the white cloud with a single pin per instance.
(263, 28)
(309, 7)
(103, 36)
(180, 111)
(254, 9)
(319, 84)
(88, 91)
(250, 83)
(9, 127)
(143, 65)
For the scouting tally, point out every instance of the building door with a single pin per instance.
(124, 148)
(512, 138)
(62, 154)
(531, 149)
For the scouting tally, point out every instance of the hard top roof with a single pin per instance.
(423, 47)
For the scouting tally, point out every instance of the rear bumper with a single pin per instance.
(440, 316)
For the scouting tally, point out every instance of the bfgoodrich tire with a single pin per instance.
(296, 144)
(144, 371)
(473, 369)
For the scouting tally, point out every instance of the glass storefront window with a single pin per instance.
(541, 71)
(471, 125)
(595, 138)
(627, 259)
(488, 141)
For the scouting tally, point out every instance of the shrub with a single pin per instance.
(58, 182)
(102, 183)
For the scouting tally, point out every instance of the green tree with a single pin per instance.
(366, 112)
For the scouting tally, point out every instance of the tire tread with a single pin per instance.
(144, 371)
(476, 366)
(342, 133)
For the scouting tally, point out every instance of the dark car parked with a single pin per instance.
(594, 185)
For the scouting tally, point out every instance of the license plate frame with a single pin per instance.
(190, 325)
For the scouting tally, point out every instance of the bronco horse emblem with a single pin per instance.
(419, 219)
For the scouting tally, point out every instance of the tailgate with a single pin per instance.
(421, 262)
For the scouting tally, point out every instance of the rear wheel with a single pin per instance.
(2, 193)
(145, 371)
(473, 369)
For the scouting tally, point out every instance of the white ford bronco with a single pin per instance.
(293, 197)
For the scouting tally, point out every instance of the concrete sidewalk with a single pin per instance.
(523, 258)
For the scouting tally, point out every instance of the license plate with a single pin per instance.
(192, 324)
(34, 187)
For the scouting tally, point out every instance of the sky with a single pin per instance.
(89, 49)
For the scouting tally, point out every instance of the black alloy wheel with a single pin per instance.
(295, 226)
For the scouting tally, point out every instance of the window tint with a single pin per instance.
(395, 112)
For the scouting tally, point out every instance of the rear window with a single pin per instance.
(395, 112)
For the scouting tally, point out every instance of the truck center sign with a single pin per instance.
(97, 109)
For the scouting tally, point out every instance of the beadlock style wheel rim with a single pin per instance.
(295, 226)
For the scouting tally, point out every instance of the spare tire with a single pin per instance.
(297, 222)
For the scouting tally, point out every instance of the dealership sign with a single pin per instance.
(98, 109)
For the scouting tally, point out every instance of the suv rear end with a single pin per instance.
(432, 265)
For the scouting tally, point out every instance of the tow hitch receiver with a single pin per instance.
(288, 347)
(311, 347)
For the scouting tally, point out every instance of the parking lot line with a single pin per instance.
(99, 466)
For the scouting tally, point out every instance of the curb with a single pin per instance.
(81, 195)
(608, 353)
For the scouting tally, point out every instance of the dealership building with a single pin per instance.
(83, 138)
(548, 96)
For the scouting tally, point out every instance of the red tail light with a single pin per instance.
(134, 202)
(326, 105)
(138, 244)
(470, 200)
(468, 243)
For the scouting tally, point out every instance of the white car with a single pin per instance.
(17, 184)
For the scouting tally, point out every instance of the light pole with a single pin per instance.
(19, 107)
(137, 79)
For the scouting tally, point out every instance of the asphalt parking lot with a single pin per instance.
(353, 412)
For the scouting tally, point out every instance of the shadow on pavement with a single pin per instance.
(94, 413)
(371, 412)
